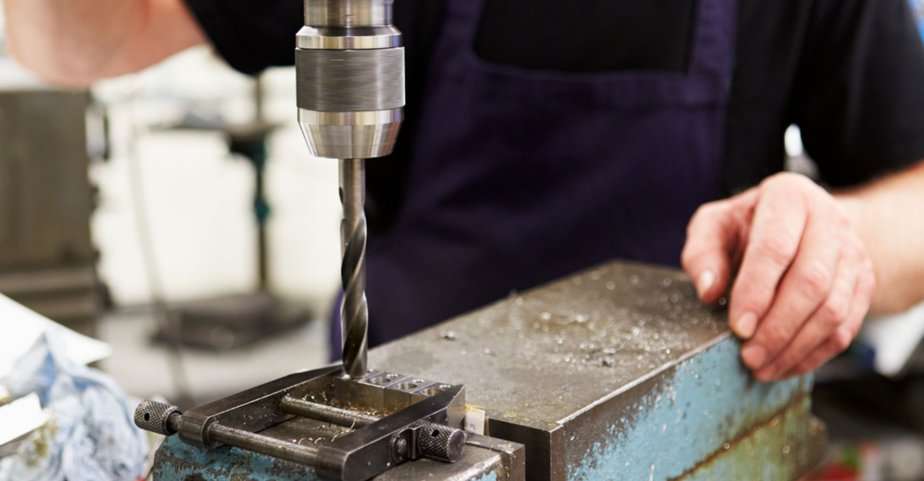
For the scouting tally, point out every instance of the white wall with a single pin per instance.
(198, 198)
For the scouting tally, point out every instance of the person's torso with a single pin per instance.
(518, 174)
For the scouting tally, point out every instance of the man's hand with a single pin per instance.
(804, 279)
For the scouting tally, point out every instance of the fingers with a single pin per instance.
(804, 284)
(804, 288)
(832, 313)
(779, 221)
(713, 239)
(846, 332)
(706, 256)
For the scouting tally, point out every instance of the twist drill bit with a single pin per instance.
(354, 310)
(350, 75)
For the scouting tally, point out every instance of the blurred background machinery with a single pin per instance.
(237, 320)
(47, 257)
(162, 221)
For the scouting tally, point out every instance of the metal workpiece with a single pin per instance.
(354, 311)
(430, 440)
(618, 373)
(359, 428)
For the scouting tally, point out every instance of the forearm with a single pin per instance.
(75, 42)
(889, 215)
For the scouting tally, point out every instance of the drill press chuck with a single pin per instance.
(350, 78)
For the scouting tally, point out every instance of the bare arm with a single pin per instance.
(76, 42)
(889, 217)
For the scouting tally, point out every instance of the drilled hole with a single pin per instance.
(147, 416)
(408, 386)
(435, 433)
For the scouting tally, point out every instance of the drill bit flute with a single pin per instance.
(350, 73)
(354, 311)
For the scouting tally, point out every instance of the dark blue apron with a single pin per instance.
(520, 176)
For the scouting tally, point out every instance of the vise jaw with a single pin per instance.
(384, 420)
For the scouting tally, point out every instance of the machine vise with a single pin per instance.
(614, 373)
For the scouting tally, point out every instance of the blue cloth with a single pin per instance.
(90, 435)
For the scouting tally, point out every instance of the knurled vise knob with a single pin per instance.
(439, 442)
(157, 417)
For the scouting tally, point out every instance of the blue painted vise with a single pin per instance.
(617, 373)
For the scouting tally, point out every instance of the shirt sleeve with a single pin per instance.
(251, 35)
(859, 94)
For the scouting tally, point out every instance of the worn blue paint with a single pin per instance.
(178, 461)
(708, 402)
(487, 477)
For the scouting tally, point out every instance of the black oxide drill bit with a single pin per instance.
(354, 311)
